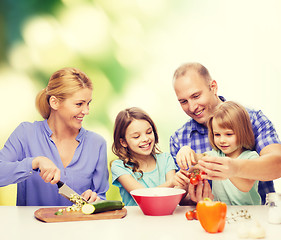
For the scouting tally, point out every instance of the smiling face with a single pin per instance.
(226, 140)
(197, 98)
(72, 110)
(139, 138)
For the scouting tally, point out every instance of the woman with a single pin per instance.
(58, 148)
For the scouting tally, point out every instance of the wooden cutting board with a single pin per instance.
(48, 215)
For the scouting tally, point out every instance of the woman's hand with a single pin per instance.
(90, 196)
(186, 157)
(48, 170)
(217, 168)
(200, 191)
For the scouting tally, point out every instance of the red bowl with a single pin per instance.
(157, 201)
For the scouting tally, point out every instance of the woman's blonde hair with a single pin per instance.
(62, 84)
(233, 116)
(122, 121)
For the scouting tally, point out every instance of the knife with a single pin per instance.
(68, 192)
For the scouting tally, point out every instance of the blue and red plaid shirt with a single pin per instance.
(195, 135)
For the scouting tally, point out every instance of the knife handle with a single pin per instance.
(60, 184)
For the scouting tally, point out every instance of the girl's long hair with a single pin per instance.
(233, 116)
(122, 121)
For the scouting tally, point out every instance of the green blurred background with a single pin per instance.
(130, 49)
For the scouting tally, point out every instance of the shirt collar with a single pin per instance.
(197, 127)
(47, 128)
(80, 134)
(222, 98)
(49, 131)
(200, 128)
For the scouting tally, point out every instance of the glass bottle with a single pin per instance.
(273, 200)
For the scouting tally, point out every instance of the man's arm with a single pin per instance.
(264, 168)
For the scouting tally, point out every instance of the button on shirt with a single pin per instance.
(87, 170)
(195, 135)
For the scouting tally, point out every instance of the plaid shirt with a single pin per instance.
(195, 136)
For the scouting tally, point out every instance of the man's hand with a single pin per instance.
(217, 168)
(200, 191)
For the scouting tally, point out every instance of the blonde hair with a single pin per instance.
(233, 116)
(122, 121)
(62, 84)
(192, 66)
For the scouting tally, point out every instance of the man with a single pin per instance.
(197, 94)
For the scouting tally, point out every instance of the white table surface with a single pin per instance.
(20, 223)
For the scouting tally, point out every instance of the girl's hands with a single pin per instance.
(48, 170)
(186, 157)
(90, 196)
(169, 179)
(181, 179)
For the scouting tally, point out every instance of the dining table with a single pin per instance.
(19, 222)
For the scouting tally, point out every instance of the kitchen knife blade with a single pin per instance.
(68, 192)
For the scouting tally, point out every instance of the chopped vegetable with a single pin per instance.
(78, 203)
(88, 209)
(58, 213)
(77, 200)
(102, 206)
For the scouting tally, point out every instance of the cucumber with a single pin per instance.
(102, 206)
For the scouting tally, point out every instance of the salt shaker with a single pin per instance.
(273, 200)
